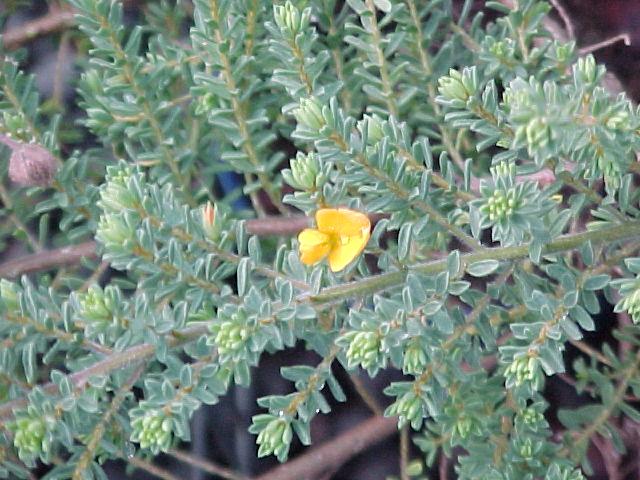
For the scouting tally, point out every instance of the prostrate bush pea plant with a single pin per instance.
(469, 190)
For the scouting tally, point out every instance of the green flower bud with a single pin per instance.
(618, 120)
(230, 337)
(504, 170)
(153, 430)
(17, 126)
(501, 205)
(364, 349)
(275, 438)
(530, 416)
(374, 128)
(452, 88)
(31, 437)
(586, 69)
(415, 359)
(290, 20)
(112, 229)
(526, 449)
(523, 370)
(95, 306)
(409, 410)
(116, 195)
(304, 171)
(631, 304)
(538, 134)
(309, 114)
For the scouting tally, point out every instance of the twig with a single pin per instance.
(70, 255)
(335, 452)
(52, 22)
(206, 465)
(366, 396)
(99, 430)
(623, 37)
(404, 453)
(45, 260)
(151, 468)
(113, 362)
(568, 24)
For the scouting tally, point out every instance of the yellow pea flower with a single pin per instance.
(341, 234)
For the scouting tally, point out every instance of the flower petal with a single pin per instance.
(342, 221)
(314, 245)
(347, 250)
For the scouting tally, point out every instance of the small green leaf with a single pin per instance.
(483, 268)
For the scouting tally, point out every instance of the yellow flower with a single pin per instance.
(341, 234)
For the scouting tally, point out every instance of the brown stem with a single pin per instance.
(52, 22)
(113, 362)
(47, 259)
(206, 465)
(72, 254)
(335, 452)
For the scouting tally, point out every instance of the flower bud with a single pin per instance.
(30, 164)
(290, 20)
(153, 430)
(210, 226)
(538, 134)
(586, 69)
(374, 128)
(364, 349)
(309, 114)
(303, 172)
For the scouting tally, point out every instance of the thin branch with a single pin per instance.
(404, 453)
(372, 284)
(566, 19)
(45, 260)
(366, 396)
(206, 465)
(98, 432)
(335, 452)
(623, 37)
(52, 22)
(72, 254)
(111, 363)
(151, 468)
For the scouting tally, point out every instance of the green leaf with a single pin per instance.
(483, 268)
(596, 282)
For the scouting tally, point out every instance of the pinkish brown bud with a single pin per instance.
(208, 215)
(30, 164)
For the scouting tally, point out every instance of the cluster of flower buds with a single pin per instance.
(415, 359)
(523, 370)
(309, 114)
(303, 174)
(230, 337)
(456, 88)
(31, 437)
(409, 409)
(364, 349)
(275, 438)
(154, 431)
(289, 19)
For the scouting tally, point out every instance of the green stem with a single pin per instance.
(376, 38)
(357, 288)
(384, 281)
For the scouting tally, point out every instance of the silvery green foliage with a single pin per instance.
(484, 147)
